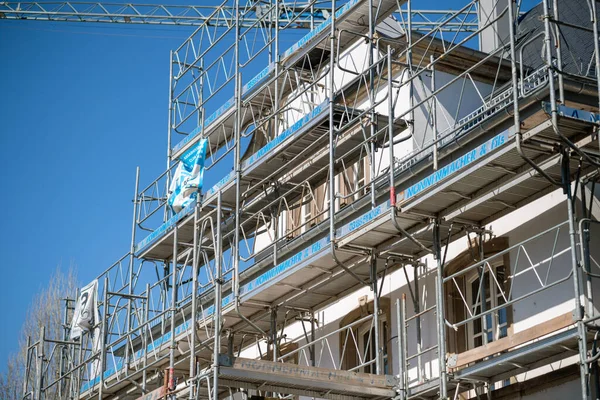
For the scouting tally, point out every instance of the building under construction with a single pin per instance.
(388, 208)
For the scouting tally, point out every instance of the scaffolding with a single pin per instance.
(332, 164)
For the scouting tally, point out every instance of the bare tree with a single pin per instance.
(47, 310)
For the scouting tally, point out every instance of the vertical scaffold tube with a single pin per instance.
(391, 130)
(313, 335)
(481, 290)
(557, 36)
(581, 329)
(104, 333)
(372, 125)
(63, 350)
(39, 364)
(441, 318)
(401, 344)
(218, 294)
(131, 262)
(376, 327)
(80, 356)
(274, 122)
(27, 366)
(331, 132)
(173, 346)
(417, 310)
(169, 123)
(236, 159)
(274, 333)
(193, 317)
(434, 114)
(146, 336)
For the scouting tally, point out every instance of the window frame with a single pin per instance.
(462, 339)
(351, 359)
(493, 302)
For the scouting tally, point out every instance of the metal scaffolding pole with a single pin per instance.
(169, 126)
(102, 363)
(63, 350)
(434, 115)
(372, 122)
(146, 335)
(376, 316)
(313, 336)
(28, 357)
(401, 325)
(195, 266)
(578, 312)
(130, 282)
(275, 124)
(40, 364)
(331, 133)
(173, 346)
(218, 318)
(441, 318)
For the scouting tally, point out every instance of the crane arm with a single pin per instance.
(294, 15)
(300, 16)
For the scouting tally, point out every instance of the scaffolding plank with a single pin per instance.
(511, 341)
(506, 362)
(284, 374)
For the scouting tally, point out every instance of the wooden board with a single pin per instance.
(516, 339)
(284, 374)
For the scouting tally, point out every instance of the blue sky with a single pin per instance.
(80, 107)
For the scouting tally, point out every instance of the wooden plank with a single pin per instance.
(314, 374)
(511, 341)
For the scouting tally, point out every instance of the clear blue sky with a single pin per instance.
(80, 107)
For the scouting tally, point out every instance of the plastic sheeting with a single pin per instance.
(188, 177)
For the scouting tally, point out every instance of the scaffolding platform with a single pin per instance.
(294, 379)
(539, 352)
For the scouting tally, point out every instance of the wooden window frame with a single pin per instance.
(461, 341)
(350, 359)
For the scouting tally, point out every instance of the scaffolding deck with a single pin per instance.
(294, 379)
(502, 366)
